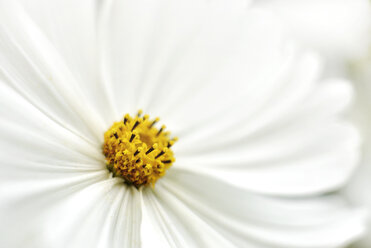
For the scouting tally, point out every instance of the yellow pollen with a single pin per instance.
(137, 151)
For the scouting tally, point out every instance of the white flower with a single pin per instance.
(261, 143)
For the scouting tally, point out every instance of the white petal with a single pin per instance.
(42, 163)
(106, 214)
(31, 65)
(309, 167)
(39, 155)
(274, 100)
(250, 220)
(158, 55)
(33, 201)
(72, 29)
(295, 144)
(25, 129)
(176, 225)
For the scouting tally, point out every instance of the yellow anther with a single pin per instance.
(137, 151)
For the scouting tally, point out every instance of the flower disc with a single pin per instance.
(137, 151)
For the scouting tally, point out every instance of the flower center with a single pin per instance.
(137, 151)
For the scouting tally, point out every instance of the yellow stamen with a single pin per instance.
(137, 151)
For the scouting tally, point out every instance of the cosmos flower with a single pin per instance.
(253, 147)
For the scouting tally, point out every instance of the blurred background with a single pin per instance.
(341, 31)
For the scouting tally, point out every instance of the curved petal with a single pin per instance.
(33, 201)
(159, 55)
(250, 220)
(106, 214)
(71, 27)
(42, 163)
(24, 124)
(30, 64)
(276, 100)
(296, 144)
(175, 224)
